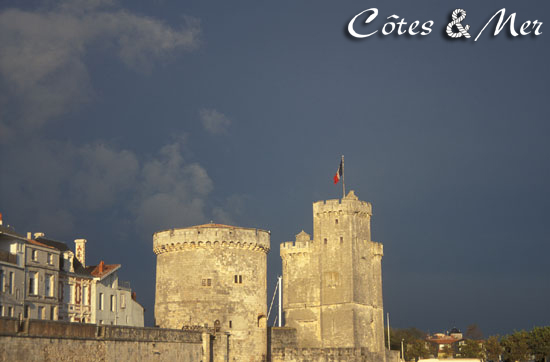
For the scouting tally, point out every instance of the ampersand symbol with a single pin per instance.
(462, 31)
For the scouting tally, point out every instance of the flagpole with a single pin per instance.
(343, 179)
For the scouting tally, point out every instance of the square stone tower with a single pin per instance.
(332, 285)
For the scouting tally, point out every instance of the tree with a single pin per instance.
(516, 347)
(493, 349)
(408, 335)
(539, 343)
(471, 349)
(473, 332)
(448, 351)
(416, 350)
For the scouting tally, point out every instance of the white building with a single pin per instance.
(112, 301)
(42, 278)
(93, 294)
(12, 272)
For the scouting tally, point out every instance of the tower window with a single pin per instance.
(341, 239)
(230, 324)
(325, 241)
(207, 282)
(238, 279)
(336, 221)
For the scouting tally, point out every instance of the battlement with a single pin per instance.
(302, 244)
(211, 236)
(349, 204)
(377, 248)
(296, 246)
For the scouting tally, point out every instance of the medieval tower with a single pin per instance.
(215, 276)
(332, 284)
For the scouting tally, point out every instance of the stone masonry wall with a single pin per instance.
(215, 275)
(36, 340)
(332, 291)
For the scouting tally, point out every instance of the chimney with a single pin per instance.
(80, 248)
(101, 266)
(29, 235)
(1, 218)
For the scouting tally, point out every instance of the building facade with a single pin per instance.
(332, 284)
(215, 276)
(12, 273)
(41, 278)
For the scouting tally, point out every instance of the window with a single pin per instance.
(207, 282)
(26, 311)
(85, 295)
(341, 239)
(34, 255)
(50, 259)
(1, 280)
(71, 293)
(113, 303)
(230, 324)
(52, 313)
(122, 301)
(1, 310)
(41, 313)
(10, 311)
(49, 285)
(325, 241)
(100, 301)
(336, 221)
(238, 279)
(12, 282)
(33, 284)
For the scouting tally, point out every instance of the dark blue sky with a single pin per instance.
(118, 119)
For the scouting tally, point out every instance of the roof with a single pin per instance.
(34, 242)
(10, 231)
(443, 340)
(212, 225)
(102, 270)
(59, 245)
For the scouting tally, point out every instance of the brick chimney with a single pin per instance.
(80, 250)
(101, 267)
(1, 219)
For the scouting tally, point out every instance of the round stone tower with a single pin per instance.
(215, 275)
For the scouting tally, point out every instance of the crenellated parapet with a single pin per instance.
(211, 236)
(377, 249)
(301, 246)
(348, 205)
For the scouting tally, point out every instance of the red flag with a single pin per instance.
(338, 175)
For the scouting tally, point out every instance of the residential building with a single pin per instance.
(93, 294)
(42, 278)
(12, 272)
(42, 297)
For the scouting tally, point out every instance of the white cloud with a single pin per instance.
(43, 65)
(214, 121)
(172, 192)
(51, 185)
(103, 174)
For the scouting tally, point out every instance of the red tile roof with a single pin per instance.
(102, 269)
(443, 340)
(34, 242)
